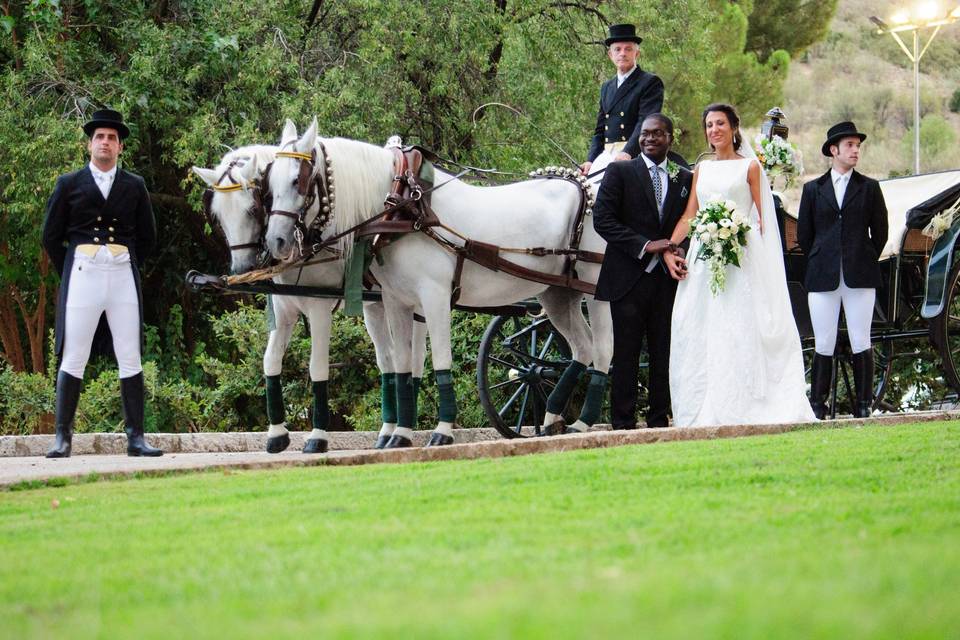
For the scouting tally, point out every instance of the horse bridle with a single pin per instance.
(311, 185)
(258, 211)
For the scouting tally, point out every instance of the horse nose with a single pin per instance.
(276, 246)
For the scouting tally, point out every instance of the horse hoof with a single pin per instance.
(398, 442)
(382, 442)
(278, 444)
(316, 445)
(439, 440)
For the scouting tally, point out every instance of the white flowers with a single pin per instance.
(941, 223)
(722, 232)
(778, 158)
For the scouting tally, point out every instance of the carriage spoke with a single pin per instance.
(505, 383)
(546, 346)
(504, 363)
(513, 398)
(523, 408)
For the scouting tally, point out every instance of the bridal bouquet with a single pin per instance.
(722, 232)
(778, 158)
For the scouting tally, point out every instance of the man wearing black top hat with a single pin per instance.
(99, 227)
(842, 229)
(625, 100)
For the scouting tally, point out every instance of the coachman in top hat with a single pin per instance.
(99, 227)
(842, 229)
(625, 100)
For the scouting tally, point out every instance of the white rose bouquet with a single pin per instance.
(722, 233)
(778, 158)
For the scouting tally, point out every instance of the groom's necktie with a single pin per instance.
(657, 188)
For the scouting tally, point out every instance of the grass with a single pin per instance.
(824, 533)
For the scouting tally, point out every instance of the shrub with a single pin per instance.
(955, 101)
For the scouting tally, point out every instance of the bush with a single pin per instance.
(937, 137)
(955, 101)
(26, 404)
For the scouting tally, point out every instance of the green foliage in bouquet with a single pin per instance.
(721, 231)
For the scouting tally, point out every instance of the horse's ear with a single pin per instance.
(309, 139)
(289, 132)
(249, 169)
(207, 175)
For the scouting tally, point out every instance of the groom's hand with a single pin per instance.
(659, 246)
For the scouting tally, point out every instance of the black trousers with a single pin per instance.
(642, 313)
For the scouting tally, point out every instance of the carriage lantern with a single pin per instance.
(774, 125)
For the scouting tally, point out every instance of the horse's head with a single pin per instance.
(296, 186)
(236, 199)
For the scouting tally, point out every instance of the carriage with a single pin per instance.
(916, 315)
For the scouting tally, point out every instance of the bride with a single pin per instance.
(735, 356)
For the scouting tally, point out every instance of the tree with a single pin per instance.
(787, 25)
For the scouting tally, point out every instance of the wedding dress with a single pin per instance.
(735, 357)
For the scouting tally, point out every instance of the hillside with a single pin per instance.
(856, 74)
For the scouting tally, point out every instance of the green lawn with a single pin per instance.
(823, 533)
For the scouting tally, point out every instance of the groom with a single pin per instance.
(637, 207)
(842, 229)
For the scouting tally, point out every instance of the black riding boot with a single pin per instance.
(68, 394)
(863, 383)
(820, 374)
(131, 395)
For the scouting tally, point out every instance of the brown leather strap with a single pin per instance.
(455, 285)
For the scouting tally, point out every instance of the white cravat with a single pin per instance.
(103, 179)
(621, 77)
(840, 182)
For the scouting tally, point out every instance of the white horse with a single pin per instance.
(418, 273)
(237, 205)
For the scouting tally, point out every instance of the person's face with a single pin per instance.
(846, 153)
(655, 140)
(718, 129)
(624, 55)
(105, 146)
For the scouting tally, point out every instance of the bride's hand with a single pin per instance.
(676, 265)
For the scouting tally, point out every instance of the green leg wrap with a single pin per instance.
(416, 398)
(404, 401)
(561, 393)
(275, 412)
(321, 407)
(595, 392)
(448, 399)
(388, 397)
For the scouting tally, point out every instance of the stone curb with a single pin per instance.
(23, 471)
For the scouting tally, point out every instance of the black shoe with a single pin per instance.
(569, 430)
(555, 428)
(131, 397)
(398, 442)
(863, 383)
(657, 425)
(439, 440)
(624, 427)
(381, 442)
(820, 373)
(68, 395)
(316, 445)
(277, 444)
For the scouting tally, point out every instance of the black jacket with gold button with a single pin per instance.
(623, 109)
(78, 214)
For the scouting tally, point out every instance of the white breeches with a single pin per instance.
(98, 285)
(825, 317)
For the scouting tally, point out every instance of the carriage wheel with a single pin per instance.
(843, 394)
(945, 331)
(518, 365)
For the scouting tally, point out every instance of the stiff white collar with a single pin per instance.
(621, 77)
(99, 175)
(650, 164)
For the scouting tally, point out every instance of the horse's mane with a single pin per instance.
(362, 175)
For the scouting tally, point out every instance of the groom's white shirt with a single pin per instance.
(665, 182)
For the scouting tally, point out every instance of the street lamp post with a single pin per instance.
(921, 16)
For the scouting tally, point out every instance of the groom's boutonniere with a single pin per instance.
(673, 170)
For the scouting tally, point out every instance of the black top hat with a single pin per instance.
(109, 119)
(839, 131)
(622, 33)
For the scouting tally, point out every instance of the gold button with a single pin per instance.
(608, 115)
(621, 114)
(606, 128)
(99, 218)
(96, 228)
(109, 228)
(623, 138)
(621, 126)
(606, 139)
(110, 239)
(96, 239)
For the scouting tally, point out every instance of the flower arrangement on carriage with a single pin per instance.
(778, 158)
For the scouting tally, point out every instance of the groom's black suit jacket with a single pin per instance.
(626, 216)
(851, 236)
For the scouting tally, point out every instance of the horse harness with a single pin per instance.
(407, 209)
(258, 212)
